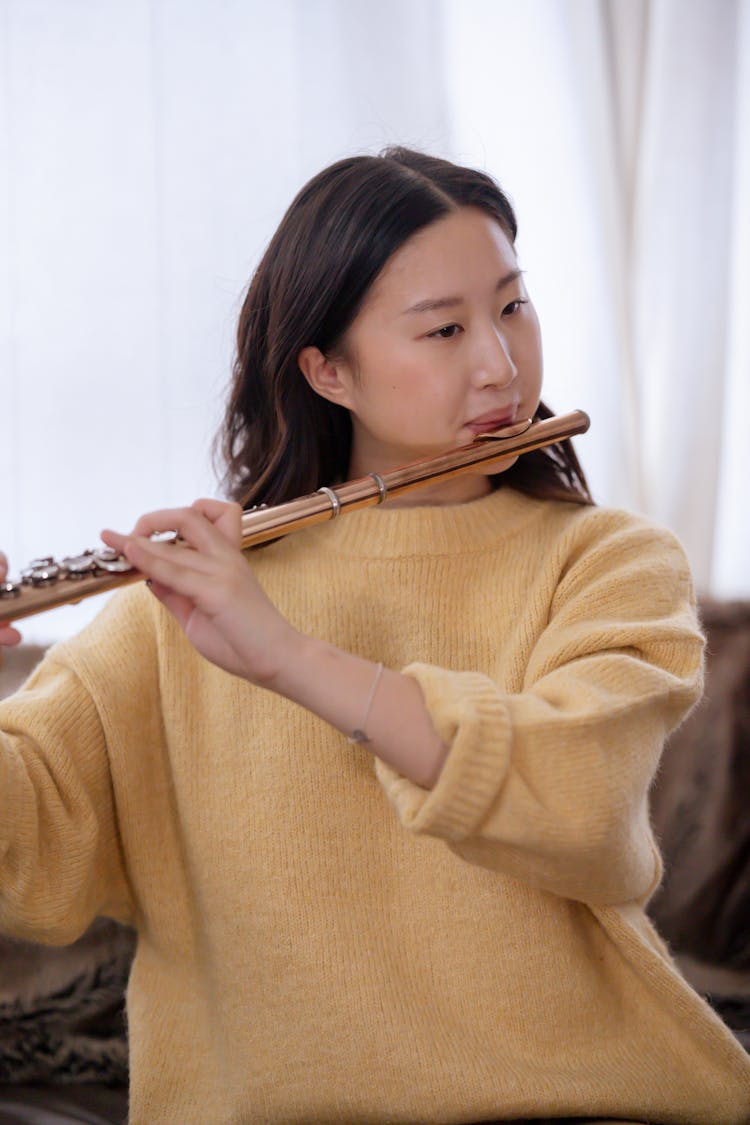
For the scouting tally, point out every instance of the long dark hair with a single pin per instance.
(280, 439)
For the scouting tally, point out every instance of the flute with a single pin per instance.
(46, 584)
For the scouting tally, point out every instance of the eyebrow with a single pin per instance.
(432, 303)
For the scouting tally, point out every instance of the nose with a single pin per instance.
(494, 366)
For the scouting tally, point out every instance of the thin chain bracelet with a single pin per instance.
(359, 734)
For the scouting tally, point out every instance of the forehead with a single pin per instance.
(460, 254)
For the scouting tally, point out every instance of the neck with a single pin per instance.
(457, 490)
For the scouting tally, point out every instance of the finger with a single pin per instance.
(118, 541)
(214, 509)
(166, 519)
(9, 636)
(143, 553)
(114, 539)
(226, 516)
(178, 605)
(189, 523)
(182, 570)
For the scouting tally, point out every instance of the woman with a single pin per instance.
(440, 919)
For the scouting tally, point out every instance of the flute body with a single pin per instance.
(46, 584)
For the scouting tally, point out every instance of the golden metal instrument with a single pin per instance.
(46, 584)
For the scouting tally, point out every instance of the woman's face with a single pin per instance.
(446, 346)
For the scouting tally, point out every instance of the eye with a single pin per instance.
(514, 306)
(447, 332)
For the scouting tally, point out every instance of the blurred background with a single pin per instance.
(148, 148)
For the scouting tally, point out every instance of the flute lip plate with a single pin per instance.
(506, 431)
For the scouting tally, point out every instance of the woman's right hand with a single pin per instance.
(8, 635)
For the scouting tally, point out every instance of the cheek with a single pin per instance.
(401, 382)
(536, 342)
(530, 357)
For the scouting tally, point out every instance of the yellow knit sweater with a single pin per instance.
(321, 940)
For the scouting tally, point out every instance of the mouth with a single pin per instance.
(486, 423)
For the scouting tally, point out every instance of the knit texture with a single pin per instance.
(320, 939)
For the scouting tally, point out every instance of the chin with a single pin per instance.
(499, 466)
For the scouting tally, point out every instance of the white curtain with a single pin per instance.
(687, 277)
(149, 147)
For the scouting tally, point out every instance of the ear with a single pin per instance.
(328, 378)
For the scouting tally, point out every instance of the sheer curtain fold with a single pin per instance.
(730, 574)
(148, 149)
(681, 280)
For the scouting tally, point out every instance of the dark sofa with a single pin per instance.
(63, 1042)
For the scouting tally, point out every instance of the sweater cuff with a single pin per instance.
(469, 715)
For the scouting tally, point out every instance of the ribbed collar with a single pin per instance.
(398, 532)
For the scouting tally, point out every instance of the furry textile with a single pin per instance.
(699, 806)
(62, 1009)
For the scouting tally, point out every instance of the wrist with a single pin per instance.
(293, 655)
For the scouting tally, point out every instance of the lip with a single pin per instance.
(492, 420)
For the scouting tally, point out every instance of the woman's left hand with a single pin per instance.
(209, 586)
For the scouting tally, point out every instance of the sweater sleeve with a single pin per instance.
(61, 856)
(550, 784)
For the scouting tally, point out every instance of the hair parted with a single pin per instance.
(280, 439)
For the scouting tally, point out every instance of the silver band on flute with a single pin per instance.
(382, 490)
(335, 502)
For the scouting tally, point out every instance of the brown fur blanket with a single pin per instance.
(699, 808)
(62, 1009)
